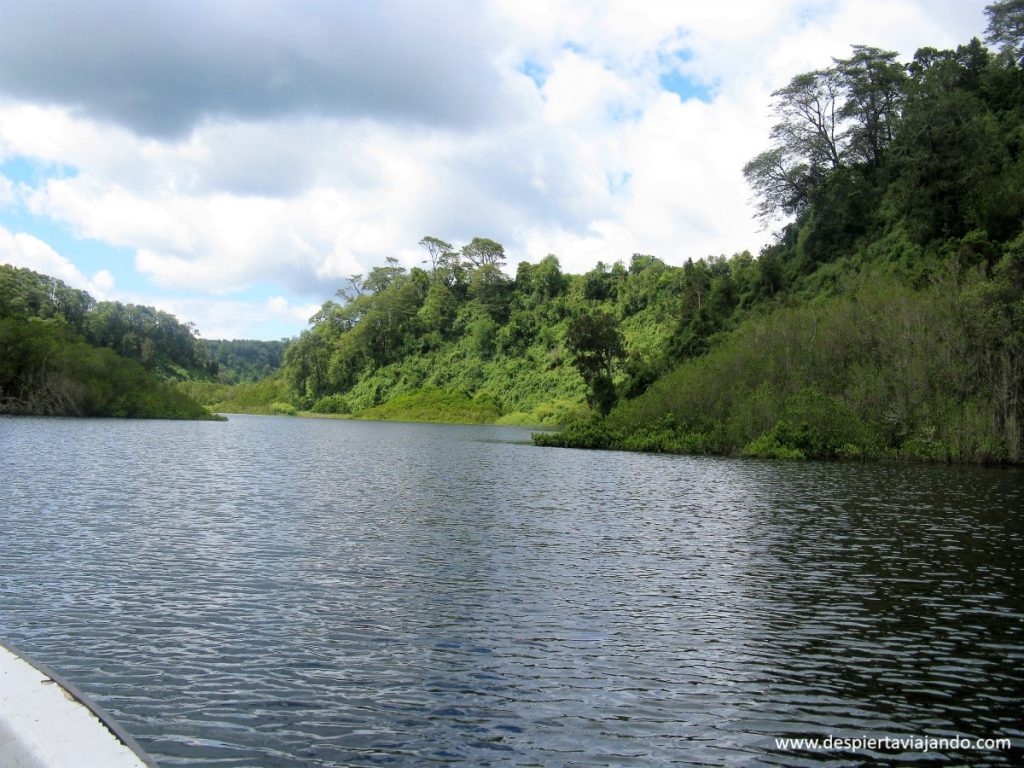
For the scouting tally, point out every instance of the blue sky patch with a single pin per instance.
(89, 256)
(620, 113)
(685, 87)
(25, 170)
(535, 72)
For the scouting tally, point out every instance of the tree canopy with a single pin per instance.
(66, 354)
(884, 319)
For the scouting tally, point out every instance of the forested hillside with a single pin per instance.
(461, 334)
(63, 353)
(897, 323)
(241, 360)
(885, 319)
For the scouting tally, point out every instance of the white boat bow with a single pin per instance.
(45, 722)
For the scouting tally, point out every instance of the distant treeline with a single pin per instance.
(242, 360)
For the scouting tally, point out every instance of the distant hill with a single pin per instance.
(243, 360)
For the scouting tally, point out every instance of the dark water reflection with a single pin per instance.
(286, 592)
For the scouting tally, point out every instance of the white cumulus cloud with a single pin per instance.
(551, 130)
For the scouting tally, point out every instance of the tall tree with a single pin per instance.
(380, 278)
(356, 287)
(480, 252)
(1006, 27)
(873, 84)
(438, 253)
(810, 125)
(595, 343)
(806, 145)
(781, 182)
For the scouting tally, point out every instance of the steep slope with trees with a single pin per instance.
(243, 360)
(897, 327)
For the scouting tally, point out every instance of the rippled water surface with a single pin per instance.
(291, 592)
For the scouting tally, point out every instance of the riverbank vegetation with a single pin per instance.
(64, 354)
(884, 320)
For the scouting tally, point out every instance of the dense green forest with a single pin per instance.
(64, 354)
(241, 360)
(894, 323)
(884, 320)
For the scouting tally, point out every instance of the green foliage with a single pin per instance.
(481, 334)
(1006, 26)
(594, 341)
(24, 293)
(772, 446)
(437, 405)
(65, 354)
(547, 279)
(335, 404)
(282, 409)
(438, 312)
(245, 360)
(473, 329)
(884, 370)
(813, 425)
(482, 252)
(591, 433)
(154, 338)
(48, 369)
(546, 414)
(247, 397)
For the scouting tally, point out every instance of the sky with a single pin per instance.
(234, 161)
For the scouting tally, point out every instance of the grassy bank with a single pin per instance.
(431, 404)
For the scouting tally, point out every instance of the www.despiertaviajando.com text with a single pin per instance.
(921, 744)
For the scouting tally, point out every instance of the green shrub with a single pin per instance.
(767, 446)
(813, 425)
(593, 433)
(331, 404)
(252, 397)
(436, 405)
(665, 440)
(547, 414)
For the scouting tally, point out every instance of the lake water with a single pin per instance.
(291, 592)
